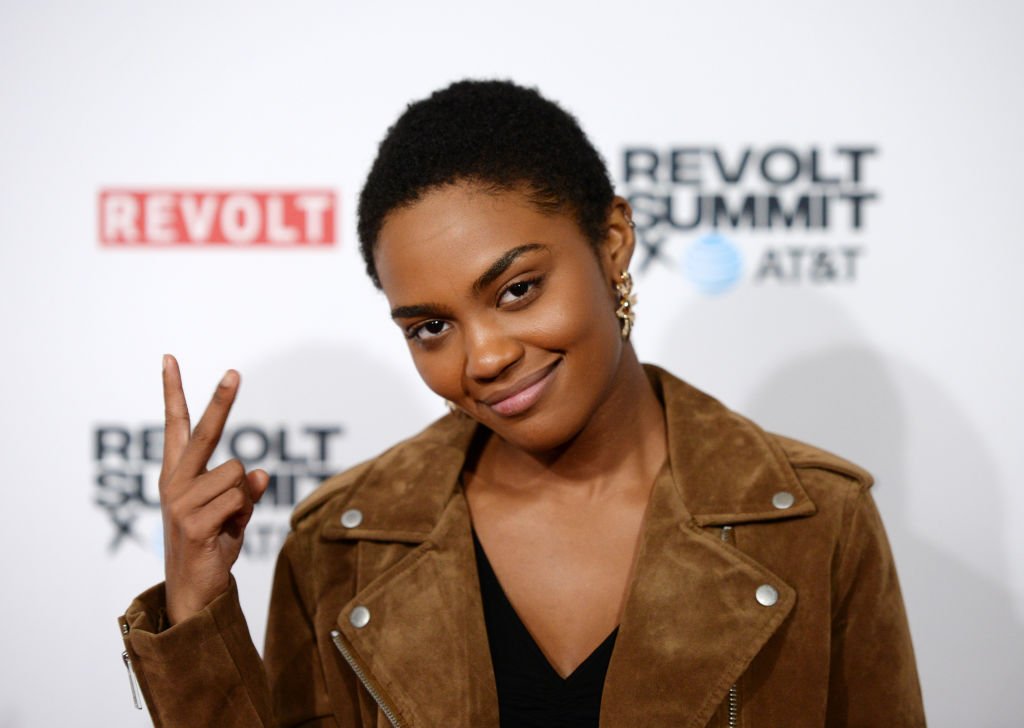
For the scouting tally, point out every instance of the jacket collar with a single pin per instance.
(404, 491)
(727, 469)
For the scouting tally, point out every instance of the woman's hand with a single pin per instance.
(204, 512)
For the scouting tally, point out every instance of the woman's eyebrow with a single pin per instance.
(437, 310)
(501, 264)
(425, 310)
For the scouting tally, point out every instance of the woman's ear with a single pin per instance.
(620, 239)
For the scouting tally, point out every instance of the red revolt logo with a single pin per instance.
(217, 218)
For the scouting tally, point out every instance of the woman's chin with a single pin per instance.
(537, 436)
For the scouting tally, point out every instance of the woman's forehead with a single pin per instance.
(458, 231)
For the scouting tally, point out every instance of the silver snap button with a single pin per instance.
(351, 518)
(766, 595)
(783, 500)
(359, 617)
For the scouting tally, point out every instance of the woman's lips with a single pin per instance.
(524, 393)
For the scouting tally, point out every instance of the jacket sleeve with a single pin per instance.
(873, 678)
(205, 671)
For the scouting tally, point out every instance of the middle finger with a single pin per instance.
(207, 433)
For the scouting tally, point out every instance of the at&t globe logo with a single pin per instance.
(712, 264)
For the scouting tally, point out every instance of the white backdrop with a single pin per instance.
(907, 359)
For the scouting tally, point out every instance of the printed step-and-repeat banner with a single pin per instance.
(826, 200)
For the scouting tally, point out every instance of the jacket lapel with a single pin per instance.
(693, 620)
(425, 643)
(424, 648)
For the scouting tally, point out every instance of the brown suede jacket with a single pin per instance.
(764, 596)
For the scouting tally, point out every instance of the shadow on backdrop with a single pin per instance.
(377, 403)
(814, 376)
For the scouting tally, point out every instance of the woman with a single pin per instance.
(584, 541)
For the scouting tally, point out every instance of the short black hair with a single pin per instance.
(494, 133)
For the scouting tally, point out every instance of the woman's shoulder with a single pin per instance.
(811, 460)
(835, 485)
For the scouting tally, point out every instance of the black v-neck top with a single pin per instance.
(531, 693)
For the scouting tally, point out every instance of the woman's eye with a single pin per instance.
(428, 330)
(518, 291)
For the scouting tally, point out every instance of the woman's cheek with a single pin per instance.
(562, 321)
(436, 371)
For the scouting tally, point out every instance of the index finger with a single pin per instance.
(177, 426)
(207, 433)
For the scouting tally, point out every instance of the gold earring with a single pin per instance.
(627, 302)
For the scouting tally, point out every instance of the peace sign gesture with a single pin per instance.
(204, 512)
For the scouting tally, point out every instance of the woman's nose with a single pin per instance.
(490, 351)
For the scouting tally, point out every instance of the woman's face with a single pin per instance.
(508, 312)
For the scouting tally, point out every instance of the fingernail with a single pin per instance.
(227, 379)
(167, 361)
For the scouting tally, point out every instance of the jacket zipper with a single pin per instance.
(385, 708)
(734, 707)
(733, 701)
(132, 682)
